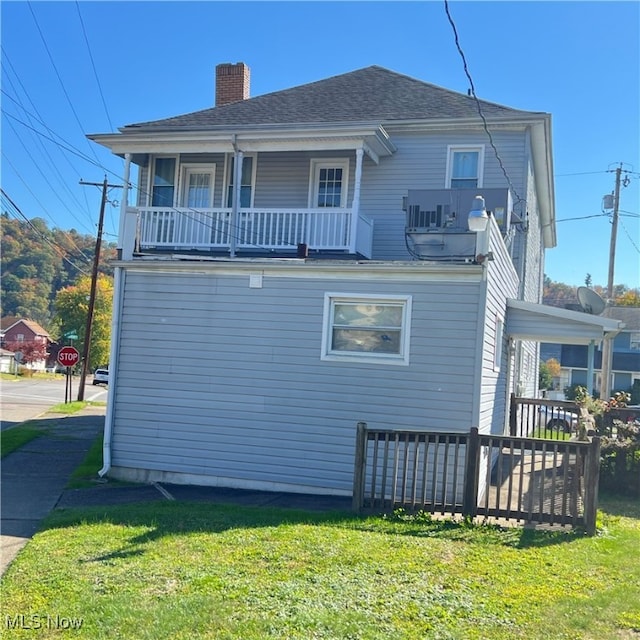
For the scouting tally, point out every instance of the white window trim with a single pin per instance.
(227, 177)
(314, 175)
(401, 359)
(197, 168)
(152, 173)
(453, 148)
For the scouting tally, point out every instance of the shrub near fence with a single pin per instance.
(620, 458)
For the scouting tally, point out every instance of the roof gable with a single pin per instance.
(369, 94)
(34, 327)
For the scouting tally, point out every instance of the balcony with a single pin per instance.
(253, 230)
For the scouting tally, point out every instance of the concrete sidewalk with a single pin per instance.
(35, 476)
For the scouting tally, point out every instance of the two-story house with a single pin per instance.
(18, 331)
(303, 260)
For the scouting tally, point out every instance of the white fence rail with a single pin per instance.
(270, 229)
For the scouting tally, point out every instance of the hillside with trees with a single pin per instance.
(558, 294)
(37, 262)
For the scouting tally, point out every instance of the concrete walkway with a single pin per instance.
(34, 476)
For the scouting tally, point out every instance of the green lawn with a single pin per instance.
(192, 571)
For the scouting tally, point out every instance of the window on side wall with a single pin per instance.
(465, 166)
(366, 328)
(163, 182)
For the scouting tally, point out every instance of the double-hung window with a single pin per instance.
(366, 328)
(246, 181)
(465, 167)
(163, 182)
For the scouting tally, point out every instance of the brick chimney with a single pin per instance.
(232, 83)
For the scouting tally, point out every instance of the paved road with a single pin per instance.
(24, 399)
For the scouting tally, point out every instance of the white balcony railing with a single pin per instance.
(253, 229)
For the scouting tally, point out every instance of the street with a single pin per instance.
(22, 400)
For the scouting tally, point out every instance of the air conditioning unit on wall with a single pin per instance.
(447, 209)
(436, 221)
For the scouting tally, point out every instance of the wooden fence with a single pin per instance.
(500, 478)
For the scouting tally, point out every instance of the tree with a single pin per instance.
(32, 350)
(71, 309)
(545, 379)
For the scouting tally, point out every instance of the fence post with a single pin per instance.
(513, 416)
(359, 466)
(470, 497)
(591, 482)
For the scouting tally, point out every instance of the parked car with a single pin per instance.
(559, 418)
(101, 376)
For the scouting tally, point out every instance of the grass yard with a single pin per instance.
(195, 571)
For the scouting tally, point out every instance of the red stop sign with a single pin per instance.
(68, 356)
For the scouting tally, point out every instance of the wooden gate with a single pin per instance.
(499, 478)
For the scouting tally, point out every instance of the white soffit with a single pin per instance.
(541, 323)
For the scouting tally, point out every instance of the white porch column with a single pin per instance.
(355, 205)
(124, 203)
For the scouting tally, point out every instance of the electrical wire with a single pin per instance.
(7, 64)
(54, 245)
(478, 105)
(93, 65)
(64, 90)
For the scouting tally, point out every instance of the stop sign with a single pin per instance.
(68, 356)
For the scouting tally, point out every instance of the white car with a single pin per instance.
(101, 376)
(559, 418)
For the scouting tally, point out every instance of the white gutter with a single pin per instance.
(118, 289)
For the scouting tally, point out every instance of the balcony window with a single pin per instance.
(366, 328)
(164, 180)
(329, 183)
(246, 182)
(464, 167)
(198, 184)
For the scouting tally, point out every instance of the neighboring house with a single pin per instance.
(301, 261)
(625, 368)
(18, 330)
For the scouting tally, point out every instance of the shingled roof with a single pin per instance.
(369, 94)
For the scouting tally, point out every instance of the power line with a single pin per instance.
(477, 102)
(95, 73)
(54, 245)
(52, 163)
(64, 90)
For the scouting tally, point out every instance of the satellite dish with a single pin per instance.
(590, 301)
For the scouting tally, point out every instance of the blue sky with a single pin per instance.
(579, 61)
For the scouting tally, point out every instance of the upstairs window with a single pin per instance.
(366, 328)
(634, 341)
(329, 183)
(465, 167)
(164, 181)
(246, 182)
(198, 185)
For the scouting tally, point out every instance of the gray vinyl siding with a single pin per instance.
(501, 283)
(221, 380)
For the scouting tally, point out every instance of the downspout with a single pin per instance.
(355, 205)
(118, 289)
(482, 247)
(235, 197)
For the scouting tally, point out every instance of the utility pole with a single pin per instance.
(94, 280)
(607, 349)
(614, 233)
